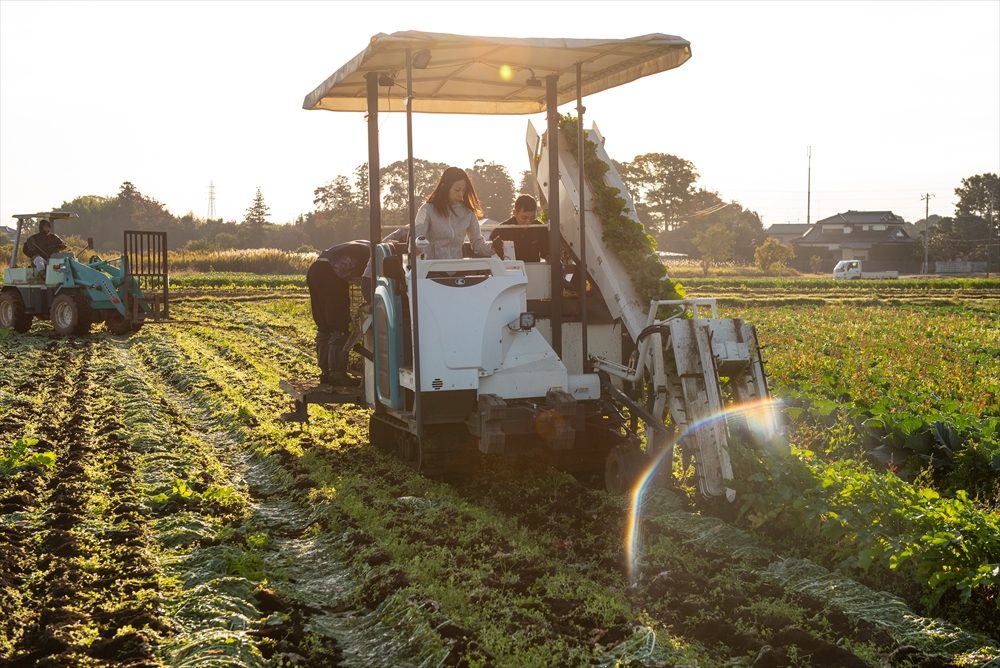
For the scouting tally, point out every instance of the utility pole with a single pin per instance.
(732, 252)
(989, 233)
(809, 183)
(927, 234)
(211, 200)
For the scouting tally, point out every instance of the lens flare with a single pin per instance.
(760, 418)
(506, 73)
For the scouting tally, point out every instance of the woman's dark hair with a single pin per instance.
(439, 197)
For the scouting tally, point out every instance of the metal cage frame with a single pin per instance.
(145, 260)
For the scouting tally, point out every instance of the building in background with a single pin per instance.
(879, 238)
(787, 232)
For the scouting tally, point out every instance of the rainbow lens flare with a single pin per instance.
(760, 418)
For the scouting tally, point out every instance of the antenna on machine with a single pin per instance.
(211, 200)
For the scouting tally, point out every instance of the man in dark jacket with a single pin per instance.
(40, 246)
(531, 238)
(329, 296)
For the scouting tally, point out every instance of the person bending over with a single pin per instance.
(530, 237)
(40, 246)
(450, 214)
(330, 299)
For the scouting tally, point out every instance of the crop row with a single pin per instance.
(269, 542)
(417, 557)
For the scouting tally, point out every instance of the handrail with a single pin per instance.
(494, 265)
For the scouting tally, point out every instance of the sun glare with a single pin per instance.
(506, 73)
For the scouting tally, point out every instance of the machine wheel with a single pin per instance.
(70, 313)
(86, 314)
(625, 463)
(12, 315)
(408, 450)
(449, 452)
(381, 434)
(446, 452)
(117, 324)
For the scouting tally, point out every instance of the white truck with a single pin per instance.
(852, 269)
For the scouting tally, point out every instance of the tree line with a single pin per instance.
(679, 215)
(972, 230)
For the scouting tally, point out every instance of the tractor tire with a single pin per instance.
(12, 315)
(67, 314)
(86, 314)
(624, 466)
(382, 435)
(117, 324)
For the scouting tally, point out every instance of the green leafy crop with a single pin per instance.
(16, 456)
(625, 237)
(871, 517)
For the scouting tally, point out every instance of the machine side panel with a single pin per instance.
(604, 341)
(461, 328)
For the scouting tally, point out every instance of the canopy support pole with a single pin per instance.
(374, 191)
(413, 244)
(555, 240)
(581, 268)
(374, 201)
(17, 244)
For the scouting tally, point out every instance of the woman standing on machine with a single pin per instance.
(450, 214)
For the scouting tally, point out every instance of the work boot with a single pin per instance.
(323, 355)
(338, 362)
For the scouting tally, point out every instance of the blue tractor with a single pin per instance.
(123, 292)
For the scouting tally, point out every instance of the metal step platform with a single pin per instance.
(305, 392)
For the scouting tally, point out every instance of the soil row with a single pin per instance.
(77, 544)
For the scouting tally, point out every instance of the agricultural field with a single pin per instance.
(156, 510)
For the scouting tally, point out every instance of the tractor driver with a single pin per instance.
(330, 298)
(531, 244)
(41, 245)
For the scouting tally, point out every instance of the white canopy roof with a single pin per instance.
(487, 75)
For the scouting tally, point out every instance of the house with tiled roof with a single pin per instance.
(787, 232)
(877, 237)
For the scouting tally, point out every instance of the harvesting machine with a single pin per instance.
(124, 292)
(493, 355)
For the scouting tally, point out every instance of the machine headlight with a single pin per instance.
(527, 321)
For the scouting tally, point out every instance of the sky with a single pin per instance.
(897, 99)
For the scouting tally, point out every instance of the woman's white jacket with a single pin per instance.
(446, 234)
